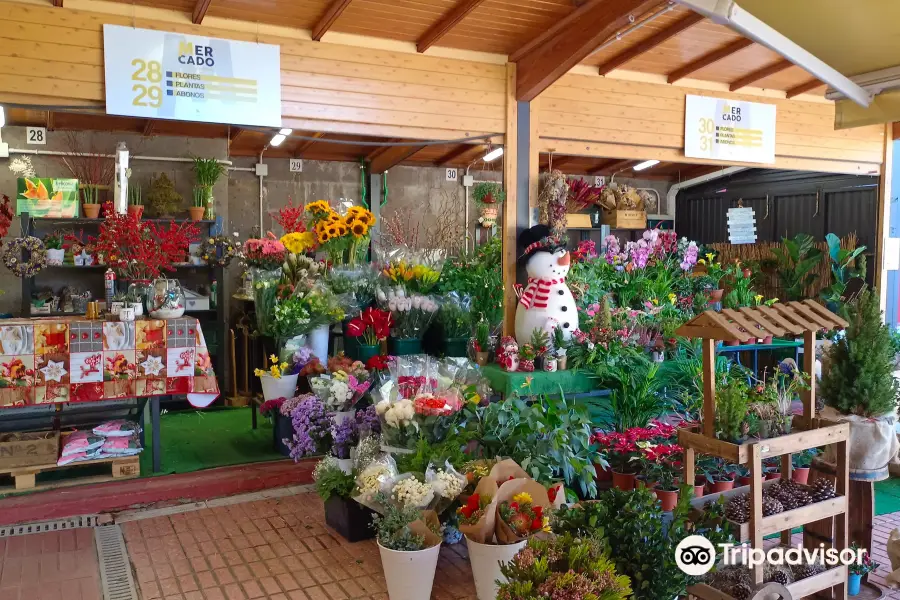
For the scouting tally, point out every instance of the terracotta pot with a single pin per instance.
(488, 216)
(800, 475)
(699, 486)
(716, 295)
(667, 498)
(720, 486)
(601, 473)
(197, 212)
(623, 481)
(766, 340)
(773, 475)
(733, 343)
(91, 211)
(134, 209)
(742, 481)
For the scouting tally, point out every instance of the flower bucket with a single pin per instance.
(623, 481)
(317, 341)
(365, 352)
(345, 465)
(409, 575)
(800, 475)
(342, 416)
(404, 346)
(55, 256)
(853, 582)
(456, 347)
(720, 486)
(349, 518)
(485, 560)
(667, 498)
(278, 388)
(282, 429)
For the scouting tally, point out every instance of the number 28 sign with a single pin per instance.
(166, 75)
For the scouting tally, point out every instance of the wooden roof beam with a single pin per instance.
(233, 134)
(455, 154)
(58, 3)
(200, 9)
(148, 127)
(650, 43)
(710, 58)
(391, 156)
(448, 21)
(804, 87)
(758, 74)
(334, 10)
(570, 41)
(305, 145)
(617, 166)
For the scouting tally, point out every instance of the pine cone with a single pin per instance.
(771, 506)
(778, 574)
(738, 509)
(741, 591)
(804, 571)
(803, 498)
(821, 489)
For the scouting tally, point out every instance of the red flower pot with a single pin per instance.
(602, 474)
(800, 475)
(699, 489)
(773, 475)
(733, 343)
(716, 295)
(742, 481)
(767, 339)
(623, 481)
(668, 499)
(720, 486)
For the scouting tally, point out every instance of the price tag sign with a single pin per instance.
(452, 174)
(36, 135)
(168, 75)
(296, 165)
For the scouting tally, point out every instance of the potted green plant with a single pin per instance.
(859, 388)
(56, 254)
(207, 172)
(801, 463)
(162, 197)
(342, 513)
(455, 318)
(489, 195)
(719, 476)
(713, 277)
(796, 261)
(482, 342)
(859, 569)
(135, 200)
(772, 468)
(663, 472)
(742, 474)
(560, 348)
(540, 341)
(90, 198)
(198, 208)
(844, 266)
(731, 410)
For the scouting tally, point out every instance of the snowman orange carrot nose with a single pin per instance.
(564, 260)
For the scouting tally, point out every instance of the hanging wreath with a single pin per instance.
(12, 256)
(219, 250)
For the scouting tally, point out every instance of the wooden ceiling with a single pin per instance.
(664, 171)
(665, 39)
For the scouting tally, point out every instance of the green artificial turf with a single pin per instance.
(203, 439)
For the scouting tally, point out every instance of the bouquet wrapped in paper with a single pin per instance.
(338, 391)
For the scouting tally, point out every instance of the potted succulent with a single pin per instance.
(56, 254)
(489, 195)
(409, 544)
(482, 343)
(135, 201)
(856, 571)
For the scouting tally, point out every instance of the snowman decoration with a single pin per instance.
(545, 302)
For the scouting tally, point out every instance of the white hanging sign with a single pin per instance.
(168, 75)
(715, 128)
(741, 226)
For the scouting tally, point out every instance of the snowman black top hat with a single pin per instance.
(538, 239)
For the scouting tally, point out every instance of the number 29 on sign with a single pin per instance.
(146, 72)
(707, 131)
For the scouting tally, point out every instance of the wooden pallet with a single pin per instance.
(126, 467)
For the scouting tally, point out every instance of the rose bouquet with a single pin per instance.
(411, 314)
(398, 424)
(436, 414)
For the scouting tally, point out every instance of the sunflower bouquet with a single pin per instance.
(344, 238)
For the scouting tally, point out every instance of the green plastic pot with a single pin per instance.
(456, 347)
(364, 352)
(404, 347)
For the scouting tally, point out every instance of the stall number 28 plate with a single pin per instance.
(145, 75)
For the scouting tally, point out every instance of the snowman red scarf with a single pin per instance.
(537, 292)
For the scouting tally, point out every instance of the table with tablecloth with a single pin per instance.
(56, 361)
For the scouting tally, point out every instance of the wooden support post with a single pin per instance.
(809, 366)
(786, 468)
(709, 388)
(756, 514)
(510, 207)
(690, 467)
(842, 473)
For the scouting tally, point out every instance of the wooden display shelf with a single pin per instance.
(124, 467)
(789, 519)
(799, 589)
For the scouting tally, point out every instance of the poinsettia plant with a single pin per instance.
(373, 325)
(140, 250)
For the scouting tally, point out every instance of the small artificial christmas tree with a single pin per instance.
(162, 197)
(860, 377)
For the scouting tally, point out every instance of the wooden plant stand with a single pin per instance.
(795, 318)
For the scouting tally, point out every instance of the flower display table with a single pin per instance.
(539, 382)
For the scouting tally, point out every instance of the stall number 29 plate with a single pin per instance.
(146, 77)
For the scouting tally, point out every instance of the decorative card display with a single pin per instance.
(47, 198)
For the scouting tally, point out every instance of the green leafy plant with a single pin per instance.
(845, 265)
(162, 197)
(479, 276)
(860, 377)
(53, 241)
(393, 526)
(559, 339)
(635, 393)
(732, 402)
(540, 341)
(207, 171)
(488, 192)
(796, 260)
(741, 293)
(630, 525)
(437, 453)
(682, 377)
(455, 320)
(482, 335)
(562, 567)
(199, 197)
(134, 195)
(803, 460)
(332, 481)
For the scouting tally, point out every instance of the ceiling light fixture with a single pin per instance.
(493, 154)
(645, 165)
(276, 141)
(286, 132)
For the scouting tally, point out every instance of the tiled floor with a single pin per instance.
(50, 566)
(278, 548)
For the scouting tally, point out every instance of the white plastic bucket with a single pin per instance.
(273, 388)
(485, 560)
(317, 341)
(409, 575)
